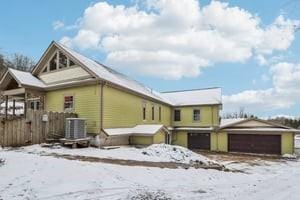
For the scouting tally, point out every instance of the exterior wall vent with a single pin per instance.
(75, 128)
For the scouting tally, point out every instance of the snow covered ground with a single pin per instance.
(153, 153)
(28, 174)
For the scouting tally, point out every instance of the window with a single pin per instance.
(34, 105)
(46, 69)
(159, 113)
(62, 60)
(68, 103)
(177, 115)
(71, 63)
(144, 111)
(196, 115)
(53, 63)
(152, 112)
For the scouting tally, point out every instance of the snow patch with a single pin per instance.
(290, 156)
(153, 153)
(175, 154)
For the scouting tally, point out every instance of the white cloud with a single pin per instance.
(284, 93)
(58, 25)
(174, 39)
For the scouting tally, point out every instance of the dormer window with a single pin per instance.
(58, 61)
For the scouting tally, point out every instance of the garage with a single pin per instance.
(255, 143)
(199, 141)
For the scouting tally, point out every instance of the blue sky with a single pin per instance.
(27, 28)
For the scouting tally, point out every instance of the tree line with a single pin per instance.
(290, 122)
(294, 123)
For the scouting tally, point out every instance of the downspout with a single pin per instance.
(101, 108)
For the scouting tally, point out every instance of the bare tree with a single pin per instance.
(238, 114)
(20, 62)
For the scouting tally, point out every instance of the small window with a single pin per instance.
(68, 103)
(159, 113)
(46, 69)
(35, 105)
(177, 115)
(71, 63)
(53, 63)
(62, 60)
(196, 115)
(32, 105)
(153, 113)
(144, 111)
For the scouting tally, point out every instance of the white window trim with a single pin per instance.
(194, 115)
(174, 115)
(47, 65)
(73, 105)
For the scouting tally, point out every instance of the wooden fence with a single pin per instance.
(33, 129)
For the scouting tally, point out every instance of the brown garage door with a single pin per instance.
(199, 141)
(251, 143)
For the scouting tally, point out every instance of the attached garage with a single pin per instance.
(199, 141)
(254, 143)
(257, 136)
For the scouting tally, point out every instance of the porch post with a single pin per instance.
(6, 106)
(25, 104)
(14, 107)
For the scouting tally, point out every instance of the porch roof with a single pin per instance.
(26, 78)
(139, 130)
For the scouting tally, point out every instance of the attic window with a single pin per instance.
(53, 63)
(71, 63)
(63, 61)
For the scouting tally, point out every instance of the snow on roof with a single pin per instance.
(150, 129)
(26, 78)
(209, 96)
(113, 76)
(266, 129)
(226, 122)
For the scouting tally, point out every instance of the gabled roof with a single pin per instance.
(209, 96)
(231, 121)
(107, 74)
(99, 71)
(239, 122)
(24, 78)
(139, 130)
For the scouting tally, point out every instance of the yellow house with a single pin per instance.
(123, 111)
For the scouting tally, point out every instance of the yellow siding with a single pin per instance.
(86, 100)
(213, 142)
(159, 138)
(222, 142)
(209, 116)
(141, 140)
(122, 109)
(287, 143)
(180, 138)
